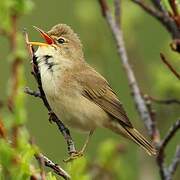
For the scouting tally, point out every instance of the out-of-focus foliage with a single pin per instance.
(109, 159)
(10, 8)
(16, 153)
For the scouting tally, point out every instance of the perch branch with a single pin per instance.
(53, 117)
(165, 61)
(55, 167)
(27, 90)
(118, 36)
(41, 163)
(157, 4)
(176, 160)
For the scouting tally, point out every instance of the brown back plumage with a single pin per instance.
(97, 89)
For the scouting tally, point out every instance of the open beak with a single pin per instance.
(46, 37)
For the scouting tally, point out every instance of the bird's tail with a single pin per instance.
(140, 140)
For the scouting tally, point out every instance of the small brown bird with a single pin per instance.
(80, 96)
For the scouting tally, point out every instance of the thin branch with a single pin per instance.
(155, 135)
(55, 167)
(174, 7)
(163, 17)
(41, 165)
(3, 132)
(169, 135)
(117, 13)
(118, 36)
(53, 118)
(176, 160)
(149, 9)
(164, 172)
(157, 4)
(27, 90)
(164, 101)
(165, 61)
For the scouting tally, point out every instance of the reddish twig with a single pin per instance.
(170, 22)
(162, 16)
(12, 35)
(2, 129)
(149, 9)
(14, 81)
(169, 66)
(174, 7)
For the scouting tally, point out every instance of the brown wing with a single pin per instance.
(97, 89)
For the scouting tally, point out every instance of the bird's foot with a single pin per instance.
(74, 156)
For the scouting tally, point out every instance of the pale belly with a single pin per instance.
(78, 112)
(71, 107)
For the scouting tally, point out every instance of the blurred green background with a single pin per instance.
(144, 37)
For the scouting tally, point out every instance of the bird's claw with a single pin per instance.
(74, 156)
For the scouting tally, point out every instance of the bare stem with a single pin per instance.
(169, 135)
(176, 160)
(166, 173)
(165, 101)
(27, 90)
(118, 36)
(162, 16)
(157, 4)
(165, 61)
(55, 167)
(117, 8)
(149, 9)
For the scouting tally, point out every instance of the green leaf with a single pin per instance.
(77, 169)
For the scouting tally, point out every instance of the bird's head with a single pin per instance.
(62, 40)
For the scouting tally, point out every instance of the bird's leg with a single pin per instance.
(80, 153)
(86, 142)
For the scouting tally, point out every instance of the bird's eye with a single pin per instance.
(61, 41)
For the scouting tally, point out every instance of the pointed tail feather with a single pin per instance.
(140, 140)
